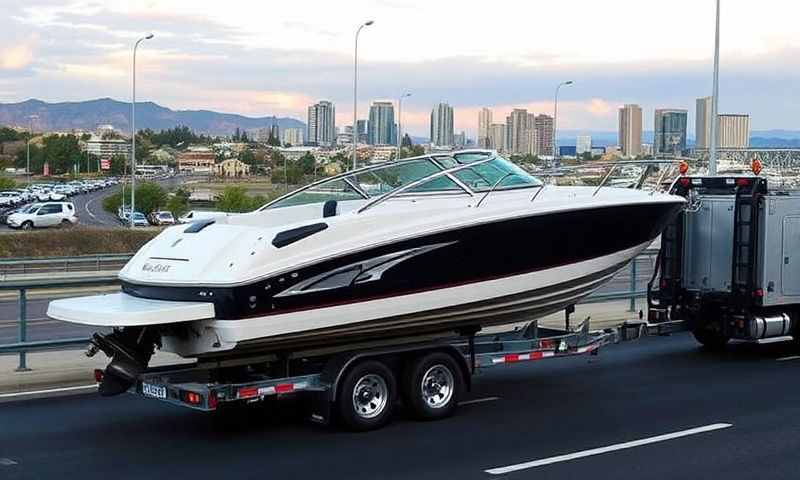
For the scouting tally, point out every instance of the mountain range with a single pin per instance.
(87, 115)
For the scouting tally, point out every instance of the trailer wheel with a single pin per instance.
(367, 396)
(710, 338)
(432, 385)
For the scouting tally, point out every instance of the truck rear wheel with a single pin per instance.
(432, 385)
(367, 396)
(711, 338)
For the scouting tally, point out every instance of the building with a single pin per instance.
(669, 132)
(460, 139)
(517, 132)
(292, 136)
(497, 137)
(344, 136)
(381, 127)
(568, 151)
(232, 168)
(196, 160)
(382, 153)
(583, 144)
(734, 131)
(543, 124)
(363, 136)
(442, 125)
(105, 148)
(484, 127)
(322, 124)
(702, 126)
(630, 130)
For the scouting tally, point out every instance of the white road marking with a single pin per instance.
(86, 207)
(7, 462)
(49, 390)
(786, 359)
(478, 400)
(610, 448)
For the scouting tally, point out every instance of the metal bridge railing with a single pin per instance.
(22, 286)
(82, 263)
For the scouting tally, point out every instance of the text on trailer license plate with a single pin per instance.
(155, 391)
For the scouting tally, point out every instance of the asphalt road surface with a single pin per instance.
(660, 408)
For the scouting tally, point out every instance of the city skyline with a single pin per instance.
(219, 59)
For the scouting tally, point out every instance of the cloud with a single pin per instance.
(16, 57)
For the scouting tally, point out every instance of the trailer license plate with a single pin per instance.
(155, 391)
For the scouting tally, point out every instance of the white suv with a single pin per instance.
(51, 214)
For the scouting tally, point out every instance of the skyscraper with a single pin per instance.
(583, 144)
(544, 134)
(293, 136)
(702, 126)
(484, 124)
(361, 125)
(670, 131)
(442, 125)
(517, 134)
(497, 137)
(322, 124)
(734, 130)
(380, 130)
(630, 130)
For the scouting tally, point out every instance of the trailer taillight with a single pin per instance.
(193, 398)
(212, 401)
(248, 392)
(98, 375)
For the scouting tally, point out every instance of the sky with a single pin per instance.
(275, 58)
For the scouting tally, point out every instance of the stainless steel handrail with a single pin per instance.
(615, 165)
(509, 174)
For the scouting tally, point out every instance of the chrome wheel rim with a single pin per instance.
(370, 396)
(437, 386)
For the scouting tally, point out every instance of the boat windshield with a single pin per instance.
(364, 184)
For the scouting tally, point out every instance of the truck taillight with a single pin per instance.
(98, 375)
(193, 398)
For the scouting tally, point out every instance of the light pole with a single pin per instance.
(400, 123)
(133, 128)
(712, 153)
(30, 136)
(555, 119)
(355, 93)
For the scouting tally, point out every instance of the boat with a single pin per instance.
(430, 245)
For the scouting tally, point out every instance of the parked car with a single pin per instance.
(41, 215)
(162, 218)
(10, 199)
(124, 213)
(139, 220)
(5, 212)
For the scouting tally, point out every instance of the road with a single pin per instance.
(745, 400)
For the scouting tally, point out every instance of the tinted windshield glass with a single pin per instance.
(384, 180)
(335, 190)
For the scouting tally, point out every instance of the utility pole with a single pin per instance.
(712, 154)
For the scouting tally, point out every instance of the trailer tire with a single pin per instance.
(432, 385)
(366, 396)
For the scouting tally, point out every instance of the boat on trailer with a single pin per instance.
(430, 245)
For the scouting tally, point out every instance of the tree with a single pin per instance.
(117, 164)
(7, 183)
(150, 197)
(235, 199)
(292, 175)
(178, 202)
(307, 163)
(10, 135)
(61, 152)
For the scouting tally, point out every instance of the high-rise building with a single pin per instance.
(460, 139)
(361, 125)
(381, 129)
(702, 126)
(442, 125)
(583, 144)
(497, 137)
(484, 124)
(734, 131)
(544, 134)
(517, 132)
(670, 131)
(322, 124)
(630, 130)
(292, 136)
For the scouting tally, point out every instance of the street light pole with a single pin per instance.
(30, 136)
(133, 129)
(400, 123)
(355, 93)
(555, 118)
(712, 154)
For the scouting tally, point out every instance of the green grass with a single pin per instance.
(73, 242)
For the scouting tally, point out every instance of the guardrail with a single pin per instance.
(23, 346)
(82, 263)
